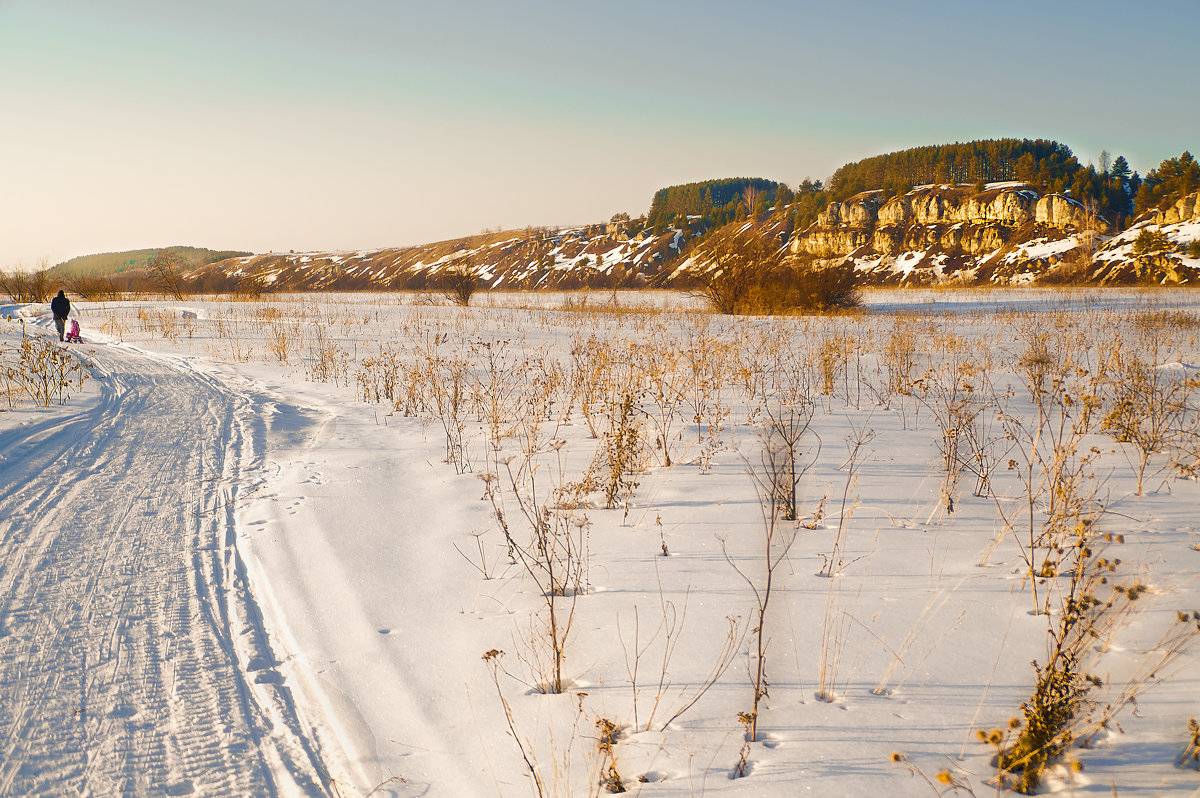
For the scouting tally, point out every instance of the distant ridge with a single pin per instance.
(1002, 211)
(111, 263)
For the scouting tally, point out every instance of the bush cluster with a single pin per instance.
(749, 274)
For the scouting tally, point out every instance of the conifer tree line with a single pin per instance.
(1040, 162)
(709, 198)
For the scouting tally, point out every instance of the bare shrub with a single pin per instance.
(748, 274)
(619, 456)
(497, 387)
(94, 289)
(325, 360)
(1048, 458)
(248, 287)
(669, 629)
(1065, 708)
(657, 363)
(590, 376)
(555, 554)
(40, 370)
(1152, 410)
(706, 360)
(953, 392)
(378, 377)
(1063, 681)
(448, 384)
(810, 287)
(460, 281)
(610, 776)
(785, 425)
(777, 473)
(26, 287)
(900, 357)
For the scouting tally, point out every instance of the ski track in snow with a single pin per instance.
(133, 658)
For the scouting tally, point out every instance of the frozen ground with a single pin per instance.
(230, 565)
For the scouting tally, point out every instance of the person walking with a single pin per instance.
(60, 306)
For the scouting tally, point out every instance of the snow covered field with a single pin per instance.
(263, 550)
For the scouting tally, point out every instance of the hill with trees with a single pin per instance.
(1047, 167)
(113, 263)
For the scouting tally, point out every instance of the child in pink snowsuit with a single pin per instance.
(73, 333)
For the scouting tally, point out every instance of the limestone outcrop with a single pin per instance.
(948, 218)
(1185, 210)
(1064, 213)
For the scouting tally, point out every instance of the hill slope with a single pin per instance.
(1006, 234)
(110, 263)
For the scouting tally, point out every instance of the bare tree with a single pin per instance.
(751, 196)
(26, 287)
(166, 272)
(461, 281)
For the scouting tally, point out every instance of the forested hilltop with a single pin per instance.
(110, 263)
(1110, 189)
(717, 201)
(1048, 167)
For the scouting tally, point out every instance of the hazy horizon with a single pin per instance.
(311, 125)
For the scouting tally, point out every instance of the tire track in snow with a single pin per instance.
(133, 659)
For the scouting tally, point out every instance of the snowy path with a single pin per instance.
(132, 657)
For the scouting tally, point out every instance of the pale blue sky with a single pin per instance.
(269, 125)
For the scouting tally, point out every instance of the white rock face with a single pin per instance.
(895, 225)
(856, 212)
(1013, 207)
(1008, 207)
(1055, 210)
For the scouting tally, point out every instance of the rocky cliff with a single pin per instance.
(1006, 233)
(1183, 211)
(950, 218)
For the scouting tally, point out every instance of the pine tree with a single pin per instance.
(783, 196)
(1119, 171)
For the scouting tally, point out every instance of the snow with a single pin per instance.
(1120, 247)
(1041, 249)
(223, 572)
(908, 261)
(1183, 232)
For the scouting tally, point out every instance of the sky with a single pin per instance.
(263, 125)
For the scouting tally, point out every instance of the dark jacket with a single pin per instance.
(60, 306)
